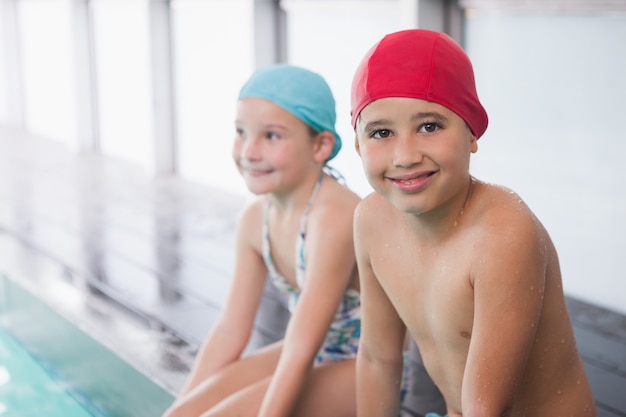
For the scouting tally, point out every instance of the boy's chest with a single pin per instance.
(430, 287)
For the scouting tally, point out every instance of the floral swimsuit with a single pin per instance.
(343, 335)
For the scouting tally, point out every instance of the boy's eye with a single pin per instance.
(272, 136)
(381, 134)
(430, 127)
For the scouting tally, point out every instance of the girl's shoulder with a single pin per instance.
(333, 208)
(257, 204)
(336, 197)
(251, 217)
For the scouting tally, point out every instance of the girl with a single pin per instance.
(299, 234)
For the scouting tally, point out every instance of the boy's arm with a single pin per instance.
(231, 332)
(508, 297)
(329, 268)
(380, 356)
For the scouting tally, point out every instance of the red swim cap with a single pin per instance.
(420, 64)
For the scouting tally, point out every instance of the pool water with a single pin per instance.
(27, 390)
(101, 382)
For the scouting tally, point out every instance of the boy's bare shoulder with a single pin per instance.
(375, 201)
(501, 212)
(496, 204)
(374, 211)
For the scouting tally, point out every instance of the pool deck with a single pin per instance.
(143, 263)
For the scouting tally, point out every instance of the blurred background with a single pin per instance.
(154, 83)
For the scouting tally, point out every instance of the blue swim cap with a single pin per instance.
(301, 92)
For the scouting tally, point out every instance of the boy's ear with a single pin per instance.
(323, 146)
(473, 144)
(356, 145)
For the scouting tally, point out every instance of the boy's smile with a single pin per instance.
(411, 183)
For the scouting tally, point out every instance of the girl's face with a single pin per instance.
(273, 149)
(415, 153)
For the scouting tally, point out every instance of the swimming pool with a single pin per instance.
(62, 366)
(26, 389)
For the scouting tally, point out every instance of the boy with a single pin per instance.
(463, 265)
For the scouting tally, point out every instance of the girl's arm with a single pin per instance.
(231, 332)
(380, 360)
(508, 298)
(330, 266)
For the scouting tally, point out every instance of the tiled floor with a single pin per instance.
(83, 231)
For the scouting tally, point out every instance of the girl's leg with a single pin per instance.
(243, 403)
(231, 379)
(330, 391)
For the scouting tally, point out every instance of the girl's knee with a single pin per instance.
(183, 407)
(172, 411)
(225, 412)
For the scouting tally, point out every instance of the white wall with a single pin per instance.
(48, 70)
(555, 91)
(3, 90)
(123, 75)
(213, 46)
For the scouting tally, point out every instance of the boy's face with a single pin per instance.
(415, 153)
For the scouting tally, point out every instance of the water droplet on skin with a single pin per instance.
(532, 287)
(578, 382)
(562, 340)
(559, 392)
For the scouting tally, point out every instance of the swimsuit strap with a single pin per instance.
(300, 259)
(335, 174)
(279, 281)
